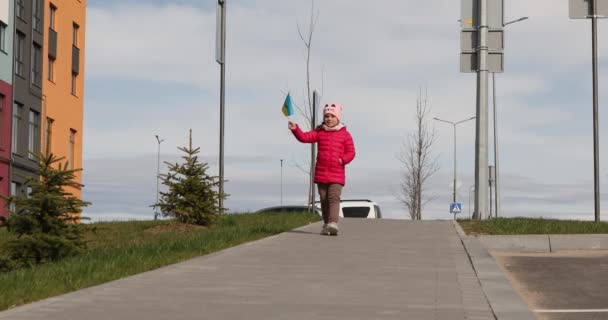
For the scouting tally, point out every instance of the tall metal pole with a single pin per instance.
(495, 116)
(156, 213)
(281, 182)
(490, 210)
(222, 4)
(454, 196)
(470, 189)
(496, 174)
(481, 124)
(596, 157)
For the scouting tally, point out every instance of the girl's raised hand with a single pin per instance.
(291, 125)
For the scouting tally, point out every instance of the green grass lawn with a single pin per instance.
(119, 249)
(512, 226)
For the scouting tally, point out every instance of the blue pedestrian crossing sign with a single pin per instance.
(455, 207)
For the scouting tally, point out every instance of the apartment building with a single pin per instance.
(41, 87)
(63, 85)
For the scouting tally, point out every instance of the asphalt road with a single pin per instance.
(560, 286)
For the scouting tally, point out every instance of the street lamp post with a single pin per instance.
(220, 57)
(157, 175)
(454, 125)
(495, 116)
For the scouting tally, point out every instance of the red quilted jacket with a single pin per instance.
(331, 147)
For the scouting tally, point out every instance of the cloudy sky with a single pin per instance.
(150, 69)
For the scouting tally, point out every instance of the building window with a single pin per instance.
(52, 12)
(75, 28)
(37, 65)
(17, 114)
(74, 79)
(37, 15)
(2, 37)
(34, 135)
(51, 69)
(20, 54)
(20, 9)
(71, 153)
(49, 134)
(14, 188)
(29, 191)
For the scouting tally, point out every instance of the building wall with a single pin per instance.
(6, 99)
(26, 93)
(60, 104)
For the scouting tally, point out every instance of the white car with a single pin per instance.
(357, 208)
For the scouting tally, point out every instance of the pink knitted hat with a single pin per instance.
(333, 108)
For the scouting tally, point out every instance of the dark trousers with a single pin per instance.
(330, 201)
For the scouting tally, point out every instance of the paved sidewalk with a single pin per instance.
(375, 269)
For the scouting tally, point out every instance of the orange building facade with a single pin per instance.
(63, 87)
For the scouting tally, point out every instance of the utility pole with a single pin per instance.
(481, 123)
(482, 47)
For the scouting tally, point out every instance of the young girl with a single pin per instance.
(335, 151)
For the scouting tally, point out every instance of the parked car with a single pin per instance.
(357, 208)
(285, 209)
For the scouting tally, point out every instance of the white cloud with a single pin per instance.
(374, 60)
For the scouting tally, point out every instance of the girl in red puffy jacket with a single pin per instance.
(335, 150)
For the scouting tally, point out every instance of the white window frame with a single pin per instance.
(17, 117)
(33, 134)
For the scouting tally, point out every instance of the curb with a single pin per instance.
(502, 298)
(545, 243)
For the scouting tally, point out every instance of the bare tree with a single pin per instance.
(307, 111)
(418, 161)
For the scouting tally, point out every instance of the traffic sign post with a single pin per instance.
(455, 207)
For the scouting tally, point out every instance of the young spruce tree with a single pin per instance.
(46, 219)
(191, 196)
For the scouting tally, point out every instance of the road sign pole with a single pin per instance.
(454, 195)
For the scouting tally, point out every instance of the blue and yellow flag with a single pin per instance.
(287, 106)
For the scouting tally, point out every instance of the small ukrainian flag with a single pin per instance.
(287, 106)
